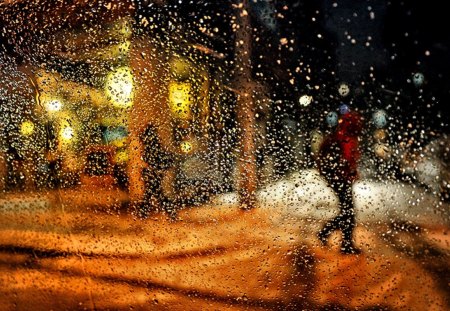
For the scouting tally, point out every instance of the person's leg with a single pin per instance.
(151, 202)
(331, 226)
(347, 224)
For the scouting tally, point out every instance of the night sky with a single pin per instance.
(311, 46)
(375, 47)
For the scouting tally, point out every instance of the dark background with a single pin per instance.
(403, 37)
(393, 40)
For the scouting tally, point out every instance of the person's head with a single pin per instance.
(350, 124)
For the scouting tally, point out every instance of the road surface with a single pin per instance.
(64, 256)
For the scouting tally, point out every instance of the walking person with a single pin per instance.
(337, 162)
(158, 162)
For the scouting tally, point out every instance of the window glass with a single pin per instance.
(224, 155)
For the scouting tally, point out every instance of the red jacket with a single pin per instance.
(339, 152)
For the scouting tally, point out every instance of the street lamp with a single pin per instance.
(66, 131)
(379, 118)
(27, 128)
(119, 87)
(53, 105)
(343, 89)
(305, 100)
(180, 99)
(332, 118)
(186, 146)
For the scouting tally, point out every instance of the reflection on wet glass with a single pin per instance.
(242, 155)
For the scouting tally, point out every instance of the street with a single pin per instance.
(213, 257)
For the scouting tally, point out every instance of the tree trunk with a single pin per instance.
(245, 108)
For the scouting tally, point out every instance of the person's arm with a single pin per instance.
(351, 155)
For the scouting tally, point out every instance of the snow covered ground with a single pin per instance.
(306, 194)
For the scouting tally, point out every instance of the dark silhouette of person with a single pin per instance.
(337, 162)
(158, 161)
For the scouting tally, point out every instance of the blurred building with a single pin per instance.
(100, 76)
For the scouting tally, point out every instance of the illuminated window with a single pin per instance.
(119, 87)
(180, 99)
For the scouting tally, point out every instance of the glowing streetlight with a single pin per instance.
(186, 146)
(418, 79)
(27, 128)
(119, 87)
(53, 105)
(305, 100)
(180, 99)
(379, 118)
(332, 118)
(67, 133)
(343, 89)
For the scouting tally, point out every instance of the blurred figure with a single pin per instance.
(158, 161)
(338, 162)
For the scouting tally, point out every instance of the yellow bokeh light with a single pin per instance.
(27, 128)
(113, 120)
(186, 146)
(119, 87)
(180, 99)
(118, 50)
(119, 142)
(67, 133)
(66, 130)
(124, 47)
(180, 67)
(53, 105)
(380, 135)
(121, 156)
(382, 150)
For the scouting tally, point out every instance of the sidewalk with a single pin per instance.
(99, 197)
(211, 258)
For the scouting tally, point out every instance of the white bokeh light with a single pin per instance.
(305, 100)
